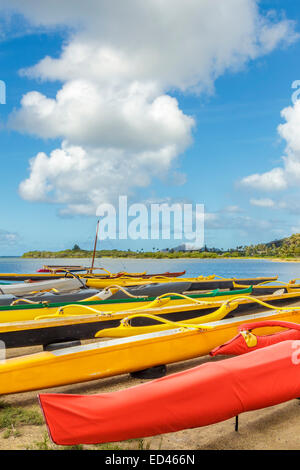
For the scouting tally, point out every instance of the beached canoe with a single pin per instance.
(197, 283)
(100, 281)
(48, 273)
(204, 395)
(103, 302)
(118, 356)
(34, 324)
(115, 293)
(27, 288)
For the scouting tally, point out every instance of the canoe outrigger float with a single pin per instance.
(29, 325)
(125, 355)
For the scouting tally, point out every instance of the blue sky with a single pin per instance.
(236, 112)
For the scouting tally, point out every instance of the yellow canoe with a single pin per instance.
(118, 356)
(30, 310)
(82, 321)
(198, 283)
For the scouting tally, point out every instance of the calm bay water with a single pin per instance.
(226, 268)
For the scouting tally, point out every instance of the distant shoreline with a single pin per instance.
(161, 256)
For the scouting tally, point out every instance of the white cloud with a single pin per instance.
(82, 179)
(273, 180)
(136, 117)
(288, 175)
(271, 204)
(233, 209)
(113, 111)
(182, 44)
(262, 202)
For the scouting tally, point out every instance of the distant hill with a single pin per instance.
(284, 248)
(278, 243)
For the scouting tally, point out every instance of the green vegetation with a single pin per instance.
(12, 416)
(284, 248)
(11, 432)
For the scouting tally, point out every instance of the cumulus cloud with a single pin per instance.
(136, 117)
(82, 179)
(114, 112)
(288, 175)
(273, 180)
(271, 204)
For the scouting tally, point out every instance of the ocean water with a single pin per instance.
(225, 267)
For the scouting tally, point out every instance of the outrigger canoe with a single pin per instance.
(197, 283)
(99, 281)
(34, 325)
(24, 309)
(27, 288)
(203, 395)
(116, 293)
(58, 272)
(119, 356)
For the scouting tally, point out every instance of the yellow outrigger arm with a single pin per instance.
(159, 302)
(125, 328)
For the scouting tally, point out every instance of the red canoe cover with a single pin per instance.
(238, 345)
(207, 394)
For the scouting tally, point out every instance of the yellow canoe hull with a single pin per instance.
(131, 281)
(109, 358)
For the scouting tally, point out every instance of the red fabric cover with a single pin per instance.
(207, 394)
(238, 345)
